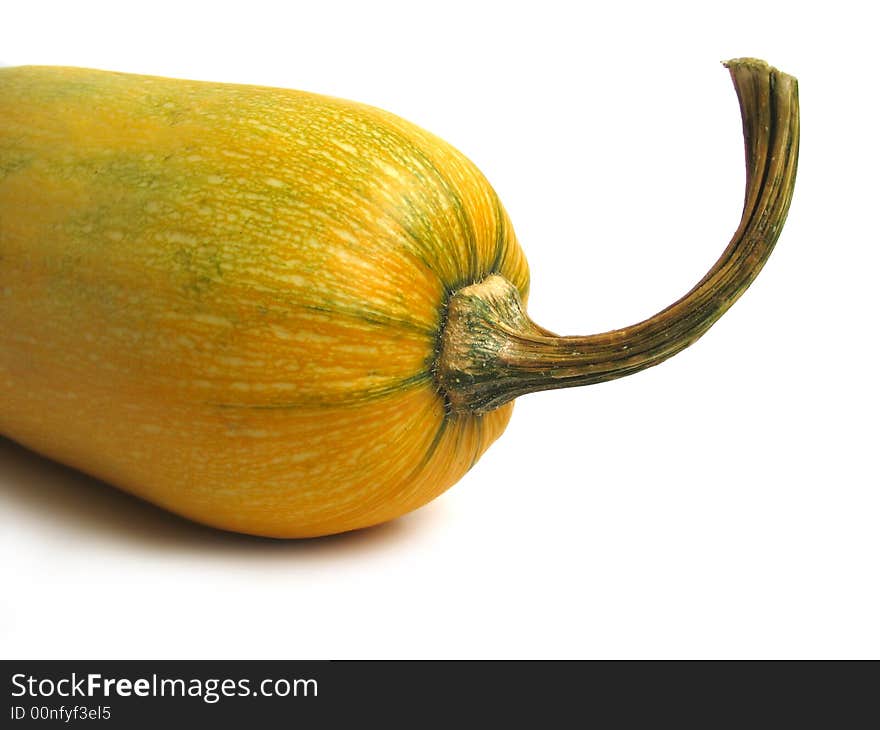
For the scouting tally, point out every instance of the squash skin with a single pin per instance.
(227, 299)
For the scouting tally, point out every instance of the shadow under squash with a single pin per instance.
(65, 499)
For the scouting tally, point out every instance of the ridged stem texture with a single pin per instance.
(492, 353)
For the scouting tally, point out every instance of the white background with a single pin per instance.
(724, 504)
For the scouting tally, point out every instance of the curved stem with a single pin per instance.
(493, 353)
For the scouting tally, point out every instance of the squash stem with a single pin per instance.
(491, 352)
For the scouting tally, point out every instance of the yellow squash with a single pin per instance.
(286, 314)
